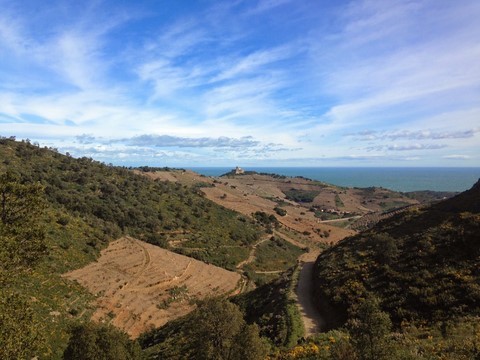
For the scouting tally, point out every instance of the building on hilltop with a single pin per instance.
(239, 171)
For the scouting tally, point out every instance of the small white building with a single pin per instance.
(239, 170)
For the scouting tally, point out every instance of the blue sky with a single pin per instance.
(253, 82)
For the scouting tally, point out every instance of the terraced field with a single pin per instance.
(139, 286)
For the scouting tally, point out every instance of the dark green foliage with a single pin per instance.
(248, 172)
(216, 330)
(430, 196)
(248, 344)
(155, 169)
(119, 201)
(20, 334)
(370, 329)
(302, 196)
(280, 211)
(225, 256)
(21, 233)
(422, 264)
(91, 341)
(386, 249)
(271, 307)
(22, 243)
(201, 184)
(268, 221)
(275, 254)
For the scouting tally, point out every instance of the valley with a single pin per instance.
(142, 250)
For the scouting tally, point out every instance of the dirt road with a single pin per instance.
(312, 321)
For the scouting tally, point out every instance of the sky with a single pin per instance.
(245, 82)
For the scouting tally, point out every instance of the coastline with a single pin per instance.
(394, 178)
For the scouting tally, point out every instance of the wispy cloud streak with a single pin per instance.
(272, 79)
(370, 135)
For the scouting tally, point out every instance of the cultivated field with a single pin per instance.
(246, 199)
(139, 286)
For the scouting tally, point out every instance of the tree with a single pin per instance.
(370, 327)
(218, 331)
(103, 342)
(248, 344)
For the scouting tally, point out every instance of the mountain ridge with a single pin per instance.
(423, 264)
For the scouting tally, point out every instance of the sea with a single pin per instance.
(393, 178)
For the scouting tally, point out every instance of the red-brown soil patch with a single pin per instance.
(139, 286)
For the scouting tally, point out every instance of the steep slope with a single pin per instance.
(89, 204)
(143, 286)
(121, 202)
(424, 264)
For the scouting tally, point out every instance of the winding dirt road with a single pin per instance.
(312, 320)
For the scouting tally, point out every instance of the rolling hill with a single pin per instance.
(423, 265)
(137, 248)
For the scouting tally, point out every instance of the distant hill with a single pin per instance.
(424, 264)
(329, 198)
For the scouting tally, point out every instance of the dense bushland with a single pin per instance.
(215, 330)
(422, 266)
(118, 202)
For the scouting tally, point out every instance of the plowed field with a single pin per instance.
(139, 285)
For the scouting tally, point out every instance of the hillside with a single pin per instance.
(331, 199)
(141, 248)
(423, 264)
(87, 205)
(319, 211)
(117, 201)
(90, 211)
(143, 286)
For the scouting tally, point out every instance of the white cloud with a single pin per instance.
(298, 75)
(407, 147)
(254, 62)
(457, 157)
(369, 135)
(266, 5)
(394, 68)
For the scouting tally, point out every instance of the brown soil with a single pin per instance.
(140, 286)
(251, 193)
(312, 320)
(297, 218)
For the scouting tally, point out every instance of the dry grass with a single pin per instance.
(139, 286)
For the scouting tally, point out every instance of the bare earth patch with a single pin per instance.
(140, 286)
(297, 218)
